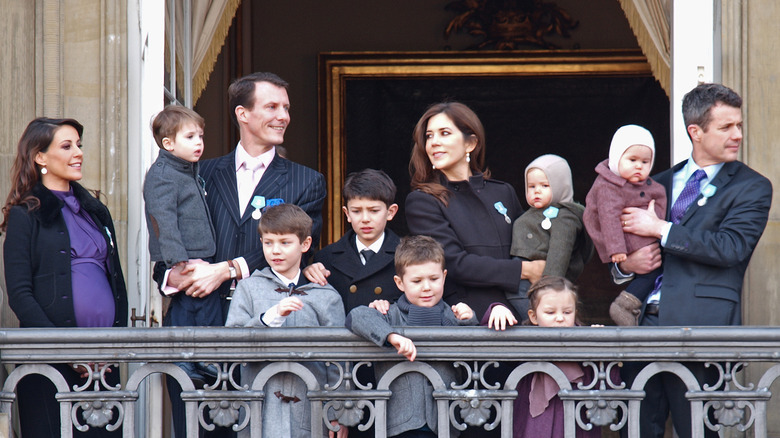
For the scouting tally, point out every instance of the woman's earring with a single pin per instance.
(44, 171)
(433, 166)
(468, 157)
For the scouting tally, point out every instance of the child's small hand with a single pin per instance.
(500, 317)
(289, 305)
(617, 258)
(462, 311)
(404, 345)
(381, 305)
(316, 273)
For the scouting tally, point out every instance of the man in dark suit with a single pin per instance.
(238, 186)
(241, 183)
(717, 210)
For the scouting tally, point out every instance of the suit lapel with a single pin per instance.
(721, 179)
(224, 179)
(269, 186)
(345, 256)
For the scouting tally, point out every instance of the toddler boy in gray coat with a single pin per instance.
(177, 217)
(420, 274)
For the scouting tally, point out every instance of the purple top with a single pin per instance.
(93, 299)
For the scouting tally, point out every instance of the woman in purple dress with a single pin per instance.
(61, 259)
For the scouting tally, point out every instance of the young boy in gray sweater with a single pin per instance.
(279, 296)
(420, 274)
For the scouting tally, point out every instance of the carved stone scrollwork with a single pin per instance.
(97, 413)
(224, 413)
(601, 399)
(349, 404)
(729, 407)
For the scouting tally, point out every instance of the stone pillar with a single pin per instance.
(750, 66)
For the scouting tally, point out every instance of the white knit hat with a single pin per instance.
(625, 137)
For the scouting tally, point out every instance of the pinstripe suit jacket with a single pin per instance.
(236, 232)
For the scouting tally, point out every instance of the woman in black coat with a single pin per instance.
(61, 259)
(454, 201)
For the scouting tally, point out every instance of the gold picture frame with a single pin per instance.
(337, 69)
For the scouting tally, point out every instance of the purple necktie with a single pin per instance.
(688, 194)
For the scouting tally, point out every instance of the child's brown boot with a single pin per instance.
(625, 309)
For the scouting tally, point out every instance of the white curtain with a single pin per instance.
(650, 21)
(210, 24)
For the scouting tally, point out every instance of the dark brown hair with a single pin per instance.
(169, 121)
(416, 250)
(285, 219)
(369, 184)
(424, 177)
(242, 91)
(697, 103)
(25, 174)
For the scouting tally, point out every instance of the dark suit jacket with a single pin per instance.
(36, 254)
(237, 234)
(360, 284)
(706, 255)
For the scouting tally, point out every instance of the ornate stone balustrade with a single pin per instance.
(476, 401)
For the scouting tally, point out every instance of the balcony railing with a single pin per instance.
(475, 402)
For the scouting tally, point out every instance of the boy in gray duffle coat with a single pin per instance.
(420, 274)
(279, 296)
(178, 219)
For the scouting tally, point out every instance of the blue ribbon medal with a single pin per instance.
(549, 213)
(706, 193)
(258, 202)
(502, 210)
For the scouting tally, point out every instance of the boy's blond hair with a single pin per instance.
(417, 250)
(170, 120)
(285, 219)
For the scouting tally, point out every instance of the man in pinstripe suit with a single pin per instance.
(240, 183)
(238, 186)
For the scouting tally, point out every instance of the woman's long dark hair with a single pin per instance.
(424, 177)
(25, 174)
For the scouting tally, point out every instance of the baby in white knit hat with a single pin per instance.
(623, 181)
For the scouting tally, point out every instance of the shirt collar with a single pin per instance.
(242, 156)
(376, 246)
(691, 166)
(286, 281)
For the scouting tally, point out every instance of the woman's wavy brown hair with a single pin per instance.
(424, 177)
(25, 174)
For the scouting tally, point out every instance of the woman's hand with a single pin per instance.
(500, 317)
(532, 270)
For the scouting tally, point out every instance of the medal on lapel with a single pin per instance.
(550, 213)
(274, 201)
(258, 202)
(706, 193)
(502, 210)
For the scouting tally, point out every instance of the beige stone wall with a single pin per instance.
(67, 58)
(751, 66)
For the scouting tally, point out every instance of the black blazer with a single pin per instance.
(476, 238)
(707, 254)
(237, 234)
(36, 256)
(360, 284)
